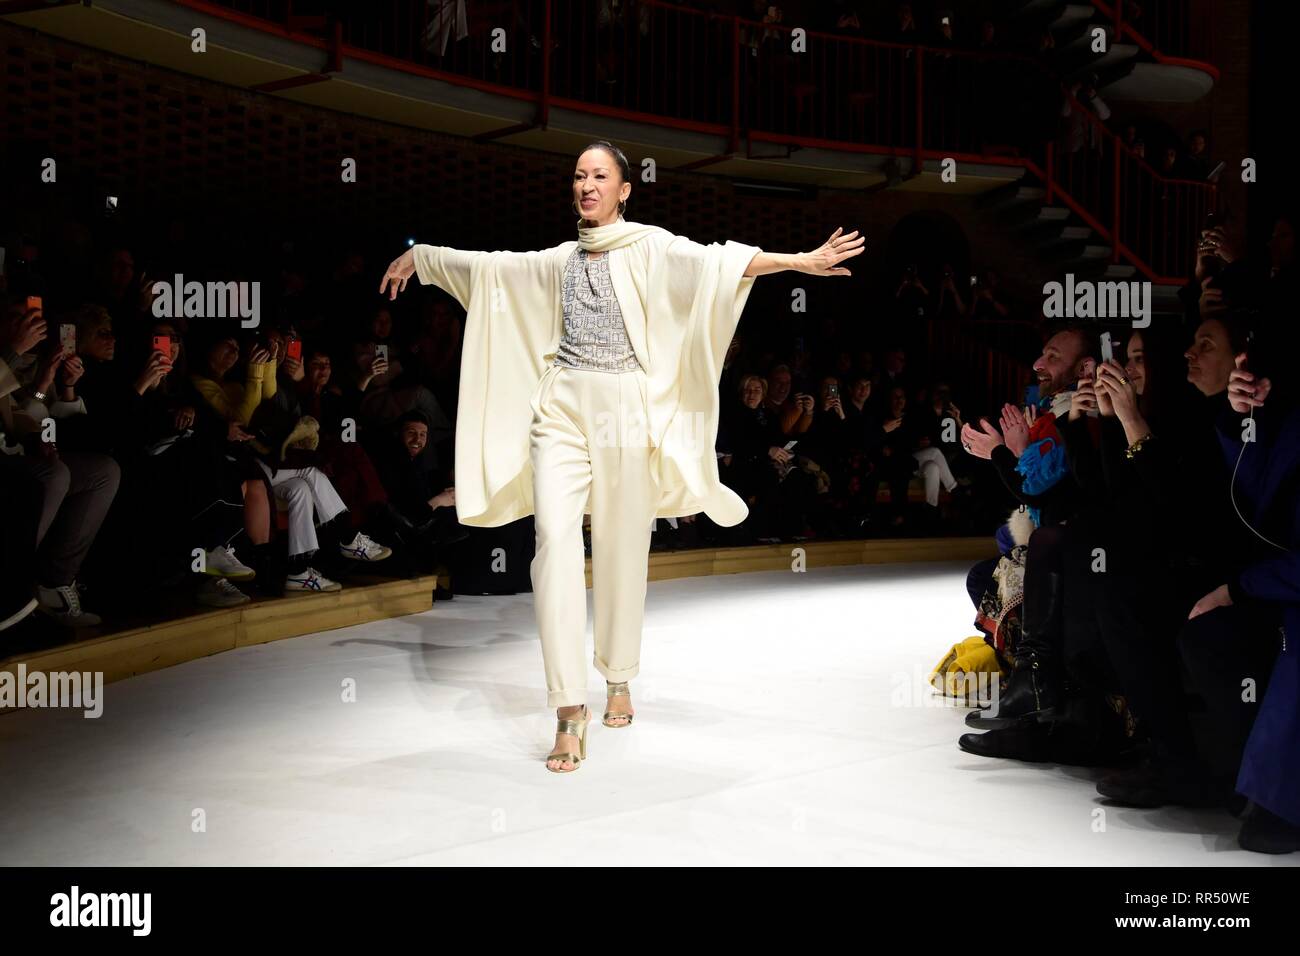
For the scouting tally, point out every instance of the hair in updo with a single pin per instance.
(624, 169)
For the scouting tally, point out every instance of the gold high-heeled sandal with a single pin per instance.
(577, 726)
(616, 690)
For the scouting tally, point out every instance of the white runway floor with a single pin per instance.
(773, 727)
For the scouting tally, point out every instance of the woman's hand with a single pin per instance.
(1084, 399)
(258, 356)
(48, 368)
(73, 369)
(155, 370)
(235, 432)
(444, 499)
(1217, 598)
(31, 332)
(294, 370)
(1245, 391)
(184, 417)
(825, 259)
(892, 424)
(779, 454)
(1119, 392)
(399, 273)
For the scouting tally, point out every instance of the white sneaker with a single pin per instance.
(63, 606)
(363, 548)
(218, 592)
(311, 581)
(221, 563)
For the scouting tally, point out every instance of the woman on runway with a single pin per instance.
(589, 385)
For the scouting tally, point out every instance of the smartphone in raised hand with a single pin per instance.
(68, 338)
(1107, 348)
(163, 345)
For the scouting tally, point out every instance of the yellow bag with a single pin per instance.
(971, 656)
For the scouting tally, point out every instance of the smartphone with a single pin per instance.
(34, 302)
(974, 281)
(381, 352)
(163, 344)
(1107, 348)
(945, 21)
(789, 446)
(68, 338)
(834, 390)
(293, 349)
(1211, 221)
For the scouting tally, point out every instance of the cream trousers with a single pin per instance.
(590, 452)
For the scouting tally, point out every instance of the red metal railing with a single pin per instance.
(662, 63)
(1177, 32)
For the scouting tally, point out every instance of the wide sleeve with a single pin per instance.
(452, 270)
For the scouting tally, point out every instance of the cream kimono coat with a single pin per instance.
(680, 302)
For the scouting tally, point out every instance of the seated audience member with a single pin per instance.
(791, 411)
(346, 463)
(422, 502)
(756, 465)
(1030, 459)
(1268, 475)
(304, 489)
(377, 392)
(1191, 761)
(76, 488)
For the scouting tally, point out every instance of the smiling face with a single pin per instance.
(598, 187)
(1060, 364)
(1210, 360)
(415, 435)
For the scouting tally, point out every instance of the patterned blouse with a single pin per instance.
(594, 335)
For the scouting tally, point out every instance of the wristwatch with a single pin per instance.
(39, 396)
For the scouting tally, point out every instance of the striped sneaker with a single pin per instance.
(363, 548)
(310, 581)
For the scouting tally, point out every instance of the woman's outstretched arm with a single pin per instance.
(822, 261)
(452, 269)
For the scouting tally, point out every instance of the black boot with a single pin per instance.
(1033, 689)
(1166, 779)
(1264, 832)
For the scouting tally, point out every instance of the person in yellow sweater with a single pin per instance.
(589, 384)
(307, 492)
